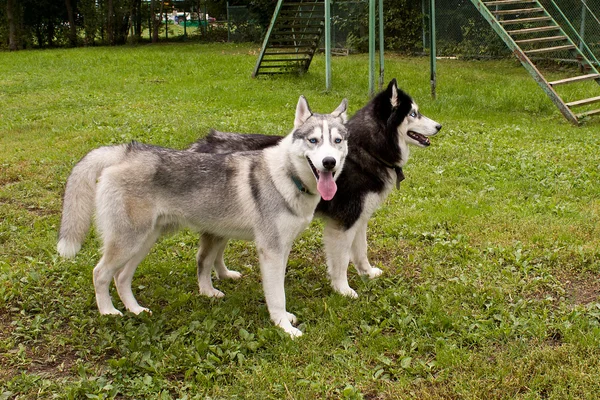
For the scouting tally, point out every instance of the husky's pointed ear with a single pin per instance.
(302, 112)
(340, 112)
(392, 91)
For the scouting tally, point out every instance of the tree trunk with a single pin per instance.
(72, 27)
(12, 29)
(156, 22)
(50, 33)
(130, 32)
(138, 19)
(110, 29)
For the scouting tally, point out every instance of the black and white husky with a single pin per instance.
(139, 191)
(378, 139)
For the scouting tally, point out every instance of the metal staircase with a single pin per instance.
(292, 38)
(529, 31)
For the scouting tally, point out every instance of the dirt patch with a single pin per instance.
(396, 261)
(38, 359)
(7, 180)
(32, 208)
(573, 288)
(53, 365)
(581, 289)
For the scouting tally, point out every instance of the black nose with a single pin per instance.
(438, 127)
(329, 162)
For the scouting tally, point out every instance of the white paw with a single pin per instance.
(346, 291)
(374, 273)
(293, 332)
(111, 311)
(230, 275)
(139, 309)
(285, 321)
(212, 292)
(292, 318)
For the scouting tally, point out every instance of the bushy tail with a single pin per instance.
(79, 198)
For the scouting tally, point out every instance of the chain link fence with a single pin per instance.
(243, 25)
(462, 31)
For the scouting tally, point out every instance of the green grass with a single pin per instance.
(490, 249)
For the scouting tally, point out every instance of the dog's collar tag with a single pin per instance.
(299, 185)
(399, 176)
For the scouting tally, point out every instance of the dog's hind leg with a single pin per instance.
(359, 252)
(220, 268)
(124, 276)
(114, 258)
(210, 248)
(338, 243)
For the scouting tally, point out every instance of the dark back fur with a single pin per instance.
(372, 148)
(226, 142)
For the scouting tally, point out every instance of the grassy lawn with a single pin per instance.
(490, 249)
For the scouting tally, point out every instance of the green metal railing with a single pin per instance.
(572, 32)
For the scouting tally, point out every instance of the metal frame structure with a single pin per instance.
(522, 24)
(292, 37)
(300, 38)
(511, 20)
(372, 39)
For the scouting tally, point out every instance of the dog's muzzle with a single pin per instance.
(326, 186)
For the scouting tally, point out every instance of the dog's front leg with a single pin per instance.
(359, 252)
(273, 262)
(338, 243)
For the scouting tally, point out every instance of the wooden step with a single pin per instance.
(541, 39)
(296, 18)
(575, 79)
(282, 53)
(296, 4)
(300, 16)
(587, 113)
(298, 29)
(306, 13)
(518, 11)
(284, 59)
(274, 72)
(583, 102)
(296, 33)
(312, 27)
(282, 66)
(551, 49)
(301, 13)
(524, 20)
(294, 42)
(295, 46)
(304, 8)
(289, 42)
(534, 30)
(507, 2)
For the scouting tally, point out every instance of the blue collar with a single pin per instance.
(299, 185)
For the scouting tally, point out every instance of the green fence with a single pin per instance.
(462, 31)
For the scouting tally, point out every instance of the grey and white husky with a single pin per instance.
(379, 136)
(139, 191)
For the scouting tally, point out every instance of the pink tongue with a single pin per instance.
(326, 185)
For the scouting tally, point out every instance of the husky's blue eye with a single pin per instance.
(313, 140)
(338, 140)
(413, 114)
